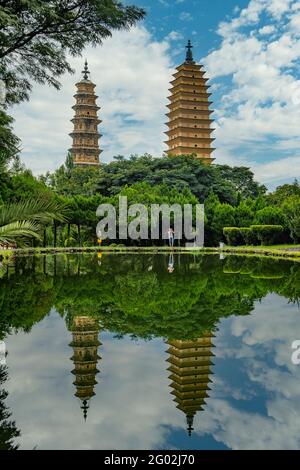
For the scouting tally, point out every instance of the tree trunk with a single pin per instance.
(55, 234)
(79, 234)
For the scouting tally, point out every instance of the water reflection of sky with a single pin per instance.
(254, 401)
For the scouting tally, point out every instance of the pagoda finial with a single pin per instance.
(190, 423)
(85, 407)
(86, 72)
(189, 53)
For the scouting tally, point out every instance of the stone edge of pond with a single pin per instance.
(283, 253)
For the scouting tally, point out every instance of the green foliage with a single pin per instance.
(24, 219)
(9, 143)
(233, 236)
(248, 235)
(73, 181)
(23, 185)
(136, 295)
(244, 214)
(267, 234)
(51, 32)
(224, 216)
(270, 216)
(242, 180)
(282, 193)
(291, 207)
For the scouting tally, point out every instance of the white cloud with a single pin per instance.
(258, 113)
(268, 377)
(133, 407)
(268, 29)
(132, 72)
(175, 36)
(185, 16)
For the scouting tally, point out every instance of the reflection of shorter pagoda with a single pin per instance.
(85, 331)
(190, 368)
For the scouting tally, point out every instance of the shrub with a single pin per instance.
(248, 236)
(270, 216)
(267, 234)
(233, 236)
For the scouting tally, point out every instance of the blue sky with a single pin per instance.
(251, 52)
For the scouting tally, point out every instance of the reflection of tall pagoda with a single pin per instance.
(85, 149)
(85, 331)
(190, 368)
(190, 117)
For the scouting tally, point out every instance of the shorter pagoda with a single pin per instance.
(85, 331)
(85, 149)
(191, 362)
(190, 115)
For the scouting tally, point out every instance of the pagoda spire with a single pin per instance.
(190, 424)
(85, 407)
(86, 72)
(189, 53)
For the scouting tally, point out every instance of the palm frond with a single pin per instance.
(39, 210)
(9, 233)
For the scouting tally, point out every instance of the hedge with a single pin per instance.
(233, 236)
(265, 234)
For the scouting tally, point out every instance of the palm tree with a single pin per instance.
(24, 219)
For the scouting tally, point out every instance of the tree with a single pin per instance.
(291, 208)
(270, 216)
(224, 216)
(244, 215)
(23, 184)
(242, 179)
(279, 196)
(36, 37)
(9, 143)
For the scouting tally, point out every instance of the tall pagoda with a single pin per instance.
(85, 331)
(190, 115)
(190, 367)
(85, 149)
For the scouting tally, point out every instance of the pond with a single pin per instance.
(149, 352)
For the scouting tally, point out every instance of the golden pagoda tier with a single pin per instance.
(85, 331)
(190, 116)
(85, 148)
(190, 367)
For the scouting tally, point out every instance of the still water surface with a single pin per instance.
(149, 352)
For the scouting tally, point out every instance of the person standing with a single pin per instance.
(171, 237)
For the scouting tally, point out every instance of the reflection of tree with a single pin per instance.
(136, 295)
(8, 429)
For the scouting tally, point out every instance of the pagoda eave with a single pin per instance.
(189, 113)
